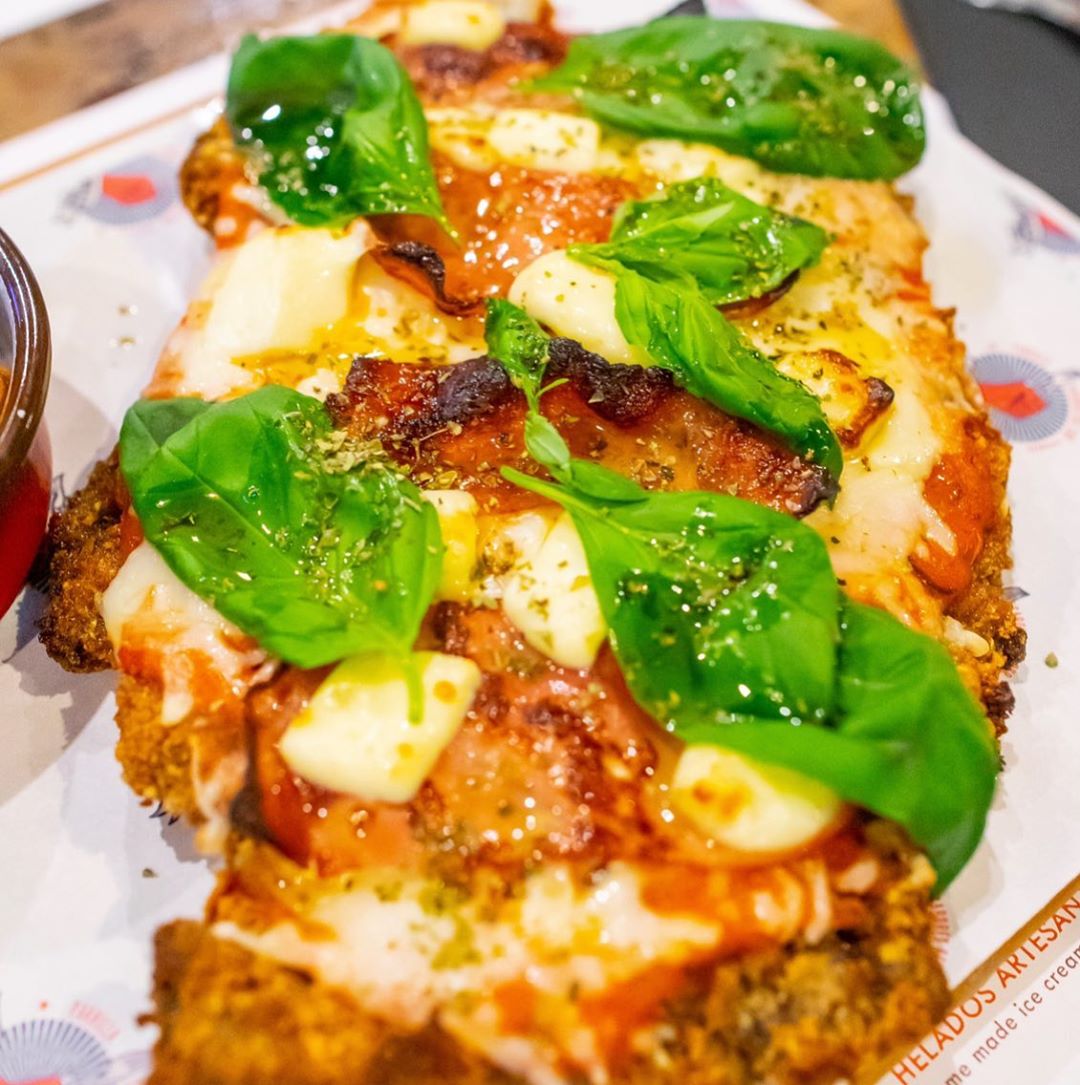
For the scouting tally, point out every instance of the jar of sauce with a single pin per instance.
(25, 455)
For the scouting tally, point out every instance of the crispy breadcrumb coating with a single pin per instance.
(84, 556)
(794, 1015)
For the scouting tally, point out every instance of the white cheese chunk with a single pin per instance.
(881, 510)
(544, 139)
(471, 24)
(457, 511)
(274, 292)
(747, 805)
(578, 302)
(549, 596)
(480, 136)
(356, 735)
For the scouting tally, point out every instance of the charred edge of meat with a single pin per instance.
(449, 67)
(403, 404)
(879, 397)
(421, 267)
(743, 310)
(622, 394)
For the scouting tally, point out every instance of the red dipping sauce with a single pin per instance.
(25, 455)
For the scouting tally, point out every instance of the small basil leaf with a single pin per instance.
(908, 742)
(310, 544)
(335, 128)
(797, 100)
(683, 332)
(732, 247)
(719, 609)
(519, 344)
(516, 341)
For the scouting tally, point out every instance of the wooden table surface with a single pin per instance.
(59, 67)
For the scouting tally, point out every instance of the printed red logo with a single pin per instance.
(1015, 398)
(128, 189)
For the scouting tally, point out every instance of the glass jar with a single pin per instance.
(25, 454)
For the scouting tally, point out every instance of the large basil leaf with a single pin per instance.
(311, 544)
(334, 126)
(797, 100)
(732, 247)
(720, 610)
(908, 741)
(683, 332)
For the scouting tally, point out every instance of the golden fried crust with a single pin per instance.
(211, 167)
(156, 758)
(983, 607)
(811, 1015)
(794, 1015)
(84, 555)
(229, 1017)
(169, 763)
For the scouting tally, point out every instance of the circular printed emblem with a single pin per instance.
(1026, 402)
(50, 1052)
(1040, 228)
(137, 189)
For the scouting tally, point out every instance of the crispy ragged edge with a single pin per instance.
(84, 554)
(796, 1014)
(985, 608)
(156, 758)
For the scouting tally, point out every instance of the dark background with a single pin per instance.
(1013, 83)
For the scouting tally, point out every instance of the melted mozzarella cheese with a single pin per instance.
(470, 24)
(578, 302)
(481, 136)
(530, 564)
(274, 292)
(409, 953)
(881, 514)
(457, 512)
(549, 596)
(749, 806)
(881, 511)
(358, 734)
(392, 320)
(544, 139)
(148, 612)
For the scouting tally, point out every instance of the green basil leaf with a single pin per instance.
(683, 332)
(720, 610)
(732, 247)
(797, 100)
(519, 344)
(730, 629)
(148, 425)
(908, 741)
(334, 126)
(516, 341)
(312, 545)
